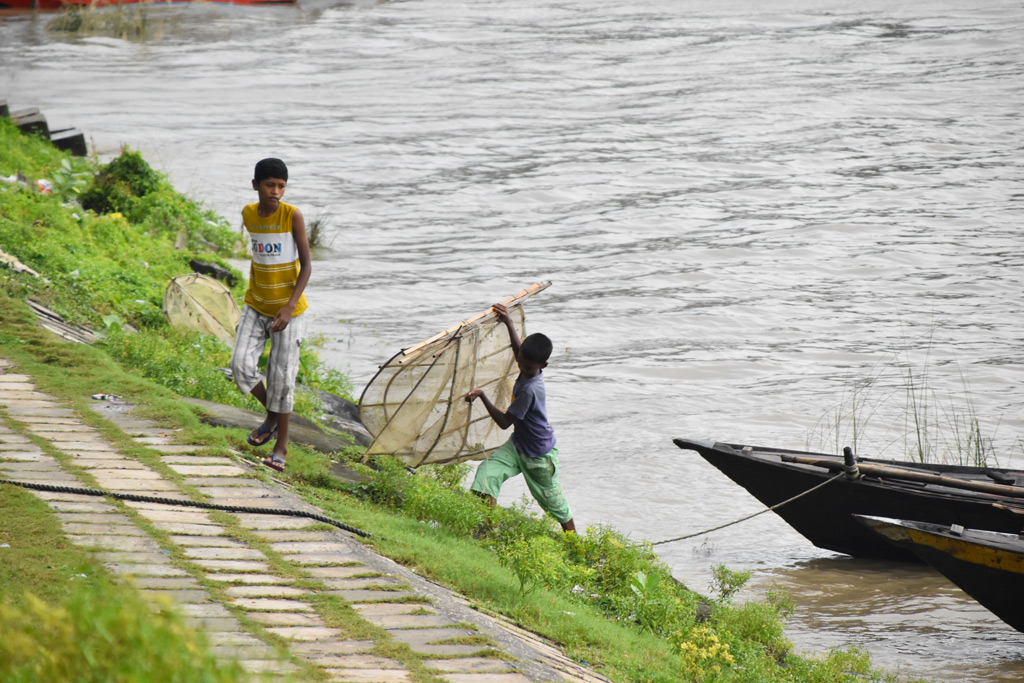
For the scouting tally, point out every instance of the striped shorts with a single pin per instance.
(282, 366)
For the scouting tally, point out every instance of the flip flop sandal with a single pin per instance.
(263, 436)
(274, 463)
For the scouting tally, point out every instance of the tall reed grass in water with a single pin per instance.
(925, 423)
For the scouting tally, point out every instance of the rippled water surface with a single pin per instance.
(757, 216)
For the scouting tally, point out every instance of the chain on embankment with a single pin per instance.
(190, 503)
(743, 519)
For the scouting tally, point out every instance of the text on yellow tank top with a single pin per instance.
(275, 260)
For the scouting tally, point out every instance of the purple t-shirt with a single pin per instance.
(532, 433)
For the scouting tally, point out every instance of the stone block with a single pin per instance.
(272, 605)
(265, 591)
(286, 619)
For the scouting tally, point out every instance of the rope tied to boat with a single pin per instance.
(743, 519)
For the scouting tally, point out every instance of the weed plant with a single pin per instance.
(921, 423)
(104, 634)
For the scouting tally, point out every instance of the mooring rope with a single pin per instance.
(191, 503)
(743, 519)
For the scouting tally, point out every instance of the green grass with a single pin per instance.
(63, 619)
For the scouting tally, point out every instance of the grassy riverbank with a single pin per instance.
(102, 246)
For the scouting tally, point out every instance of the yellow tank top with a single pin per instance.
(275, 260)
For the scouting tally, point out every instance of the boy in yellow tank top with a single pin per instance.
(274, 303)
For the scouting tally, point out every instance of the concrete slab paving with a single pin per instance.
(219, 553)
(349, 569)
(87, 506)
(119, 530)
(341, 572)
(209, 529)
(267, 666)
(123, 543)
(169, 513)
(287, 619)
(14, 469)
(323, 647)
(24, 455)
(488, 678)
(166, 583)
(64, 437)
(357, 661)
(396, 621)
(207, 541)
(369, 675)
(311, 547)
(233, 566)
(109, 516)
(190, 459)
(183, 595)
(71, 419)
(223, 494)
(265, 591)
(306, 633)
(51, 478)
(256, 521)
(303, 559)
(134, 569)
(111, 462)
(138, 557)
(210, 609)
(182, 448)
(471, 665)
(372, 596)
(208, 470)
(226, 624)
(273, 605)
(369, 583)
(276, 535)
(244, 579)
(387, 608)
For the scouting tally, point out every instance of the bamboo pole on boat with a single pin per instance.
(885, 471)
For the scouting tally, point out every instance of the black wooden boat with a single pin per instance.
(976, 497)
(987, 565)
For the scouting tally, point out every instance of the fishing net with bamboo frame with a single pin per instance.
(415, 406)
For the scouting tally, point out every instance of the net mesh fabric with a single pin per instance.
(415, 406)
(198, 302)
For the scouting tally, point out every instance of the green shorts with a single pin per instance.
(541, 475)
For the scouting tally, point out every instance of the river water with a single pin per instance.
(758, 218)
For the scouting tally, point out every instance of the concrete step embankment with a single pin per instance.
(249, 579)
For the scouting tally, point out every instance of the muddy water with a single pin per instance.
(758, 217)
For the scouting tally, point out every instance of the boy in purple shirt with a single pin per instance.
(531, 451)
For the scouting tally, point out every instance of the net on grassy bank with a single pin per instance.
(199, 302)
(415, 405)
